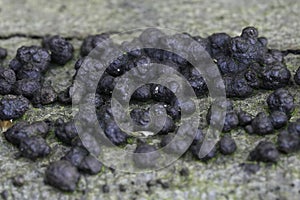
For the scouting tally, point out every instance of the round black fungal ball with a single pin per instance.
(76, 155)
(262, 124)
(143, 93)
(27, 87)
(7, 80)
(64, 97)
(176, 147)
(195, 149)
(65, 132)
(34, 147)
(114, 133)
(146, 156)
(61, 50)
(62, 175)
(274, 77)
(16, 133)
(279, 119)
(219, 43)
(3, 53)
(92, 41)
(244, 118)
(297, 76)
(90, 165)
(29, 71)
(46, 95)
(31, 55)
(294, 127)
(249, 32)
(13, 107)
(231, 121)
(227, 145)
(288, 143)
(281, 100)
(264, 152)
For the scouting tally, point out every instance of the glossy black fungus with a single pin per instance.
(7, 80)
(262, 124)
(90, 165)
(92, 41)
(161, 94)
(65, 132)
(62, 175)
(264, 152)
(146, 156)
(13, 107)
(227, 145)
(18, 180)
(27, 87)
(287, 142)
(297, 76)
(34, 56)
(76, 155)
(61, 50)
(279, 119)
(281, 100)
(3, 53)
(244, 118)
(34, 147)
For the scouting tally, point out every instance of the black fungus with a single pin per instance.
(27, 87)
(4, 194)
(195, 149)
(18, 180)
(90, 165)
(178, 146)
(114, 133)
(146, 156)
(297, 76)
(76, 155)
(3, 53)
(13, 107)
(7, 80)
(287, 142)
(65, 132)
(244, 118)
(264, 152)
(92, 41)
(61, 50)
(227, 145)
(279, 119)
(46, 95)
(294, 127)
(105, 188)
(142, 93)
(34, 56)
(231, 121)
(34, 147)
(62, 175)
(262, 124)
(281, 100)
(22, 130)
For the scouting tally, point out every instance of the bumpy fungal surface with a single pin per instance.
(246, 64)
